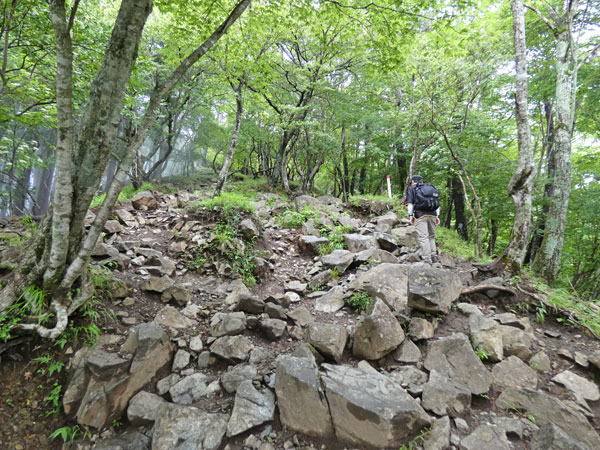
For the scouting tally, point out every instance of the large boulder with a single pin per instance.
(332, 301)
(143, 407)
(548, 409)
(338, 259)
(310, 244)
(431, 289)
(387, 282)
(103, 383)
(236, 375)
(444, 396)
(376, 255)
(377, 333)
(369, 409)
(190, 389)
(551, 437)
(185, 427)
(328, 338)
(301, 402)
(144, 201)
(250, 409)
(227, 324)
(512, 372)
(486, 335)
(517, 342)
(454, 358)
(579, 386)
(358, 242)
(406, 236)
(485, 437)
(234, 349)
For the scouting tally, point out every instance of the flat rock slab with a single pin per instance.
(485, 437)
(142, 408)
(329, 339)
(235, 375)
(454, 358)
(340, 259)
(369, 409)
(549, 409)
(232, 348)
(377, 333)
(512, 372)
(581, 387)
(251, 408)
(443, 396)
(387, 282)
(431, 289)
(185, 427)
(298, 392)
(551, 437)
(332, 301)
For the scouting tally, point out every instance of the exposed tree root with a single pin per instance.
(487, 287)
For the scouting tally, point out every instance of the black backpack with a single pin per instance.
(426, 197)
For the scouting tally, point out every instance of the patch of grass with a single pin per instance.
(228, 203)
(482, 354)
(359, 301)
(584, 312)
(291, 218)
(449, 241)
(248, 185)
(129, 191)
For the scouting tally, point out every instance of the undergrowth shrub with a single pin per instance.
(359, 301)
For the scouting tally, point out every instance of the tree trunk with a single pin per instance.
(234, 138)
(461, 223)
(495, 227)
(60, 251)
(520, 187)
(547, 260)
(345, 175)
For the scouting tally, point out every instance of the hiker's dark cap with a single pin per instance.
(417, 178)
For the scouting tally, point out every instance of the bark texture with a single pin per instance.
(520, 187)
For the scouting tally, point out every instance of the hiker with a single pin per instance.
(423, 204)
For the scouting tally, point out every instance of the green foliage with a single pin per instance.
(68, 434)
(290, 218)
(449, 241)
(417, 441)
(482, 354)
(48, 365)
(30, 303)
(230, 204)
(377, 204)
(359, 301)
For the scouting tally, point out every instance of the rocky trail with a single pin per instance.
(195, 360)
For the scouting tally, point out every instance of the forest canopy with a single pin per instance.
(324, 97)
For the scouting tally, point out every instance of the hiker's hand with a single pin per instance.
(437, 221)
(412, 220)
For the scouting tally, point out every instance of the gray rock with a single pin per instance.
(320, 279)
(496, 281)
(594, 358)
(163, 385)
(103, 365)
(295, 285)
(376, 255)
(181, 360)
(130, 440)
(517, 342)
(579, 386)
(390, 219)
(329, 339)
(273, 329)
(406, 236)
(485, 437)
(369, 409)
(358, 242)
(468, 309)
(179, 293)
(512, 372)
(551, 437)
(275, 311)
(340, 259)
(409, 377)
(190, 389)
(298, 391)
(291, 297)
(301, 316)
(408, 352)
(227, 324)
(196, 344)
(486, 335)
(155, 284)
(251, 408)
(113, 226)
(439, 436)
(250, 304)
(98, 394)
(144, 201)
(249, 229)
(332, 301)
(170, 317)
(236, 374)
(305, 200)
(142, 408)
(387, 282)
(233, 349)
(443, 396)
(431, 289)
(186, 427)
(540, 362)
(386, 241)
(454, 358)
(310, 244)
(548, 409)
(348, 222)
(206, 359)
(419, 329)
(378, 333)
(237, 290)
